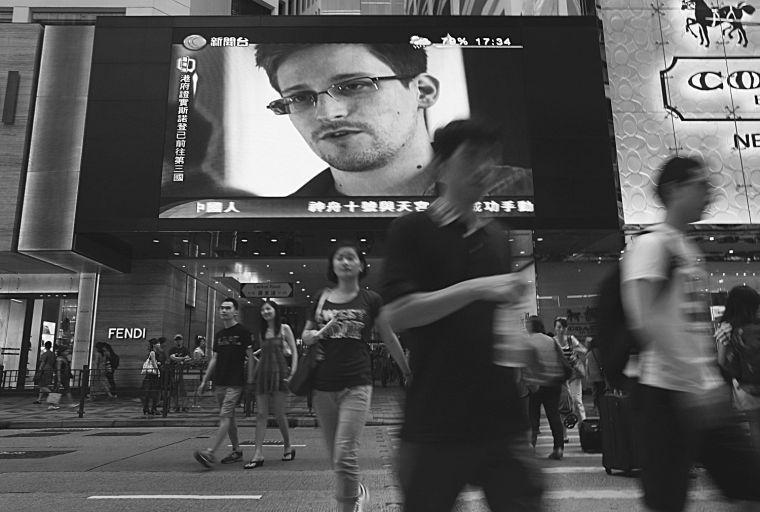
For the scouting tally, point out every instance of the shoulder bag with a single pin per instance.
(149, 367)
(301, 382)
(566, 367)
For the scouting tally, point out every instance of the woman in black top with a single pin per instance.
(342, 323)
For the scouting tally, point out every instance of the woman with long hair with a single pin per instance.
(547, 377)
(271, 379)
(63, 375)
(342, 323)
(151, 381)
(739, 325)
(575, 354)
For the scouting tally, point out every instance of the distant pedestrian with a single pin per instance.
(111, 365)
(548, 377)
(271, 380)
(575, 353)
(342, 323)
(446, 272)
(594, 375)
(685, 406)
(179, 356)
(151, 381)
(63, 375)
(738, 337)
(43, 377)
(100, 382)
(227, 369)
(199, 353)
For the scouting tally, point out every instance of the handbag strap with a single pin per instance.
(320, 304)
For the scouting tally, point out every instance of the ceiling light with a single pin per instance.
(201, 273)
(282, 253)
(203, 254)
(244, 240)
(333, 240)
(303, 289)
(291, 272)
(176, 254)
(539, 239)
(712, 238)
(255, 253)
(185, 240)
(730, 251)
(362, 239)
(155, 240)
(298, 282)
(273, 240)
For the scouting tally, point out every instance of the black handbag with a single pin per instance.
(301, 382)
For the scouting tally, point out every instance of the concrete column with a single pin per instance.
(89, 285)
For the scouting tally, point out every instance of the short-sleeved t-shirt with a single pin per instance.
(458, 393)
(347, 358)
(681, 355)
(230, 347)
(178, 352)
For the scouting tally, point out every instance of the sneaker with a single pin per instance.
(205, 457)
(52, 407)
(235, 456)
(362, 502)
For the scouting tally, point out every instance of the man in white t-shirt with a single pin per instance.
(685, 405)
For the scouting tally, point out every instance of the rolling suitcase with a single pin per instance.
(591, 435)
(619, 445)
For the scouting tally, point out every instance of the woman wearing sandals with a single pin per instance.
(271, 379)
(343, 321)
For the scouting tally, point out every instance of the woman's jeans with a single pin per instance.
(575, 388)
(548, 396)
(342, 415)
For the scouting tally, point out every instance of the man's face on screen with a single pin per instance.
(350, 134)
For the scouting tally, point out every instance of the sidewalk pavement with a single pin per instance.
(17, 411)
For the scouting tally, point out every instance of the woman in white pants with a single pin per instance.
(575, 353)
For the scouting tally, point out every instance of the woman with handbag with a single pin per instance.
(342, 382)
(546, 376)
(575, 354)
(738, 343)
(271, 378)
(151, 382)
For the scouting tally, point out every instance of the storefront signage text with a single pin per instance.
(126, 333)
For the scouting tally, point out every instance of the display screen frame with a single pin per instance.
(567, 122)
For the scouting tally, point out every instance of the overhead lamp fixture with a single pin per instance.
(244, 240)
(176, 254)
(333, 240)
(291, 272)
(185, 240)
(255, 253)
(362, 239)
(539, 239)
(203, 254)
(282, 253)
(273, 240)
(156, 240)
(712, 238)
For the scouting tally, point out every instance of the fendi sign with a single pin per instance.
(126, 333)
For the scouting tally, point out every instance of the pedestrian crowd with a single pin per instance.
(681, 382)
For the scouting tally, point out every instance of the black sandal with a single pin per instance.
(288, 456)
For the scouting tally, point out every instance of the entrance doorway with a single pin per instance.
(26, 324)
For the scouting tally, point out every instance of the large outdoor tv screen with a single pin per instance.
(263, 126)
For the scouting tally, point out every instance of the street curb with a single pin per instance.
(168, 422)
